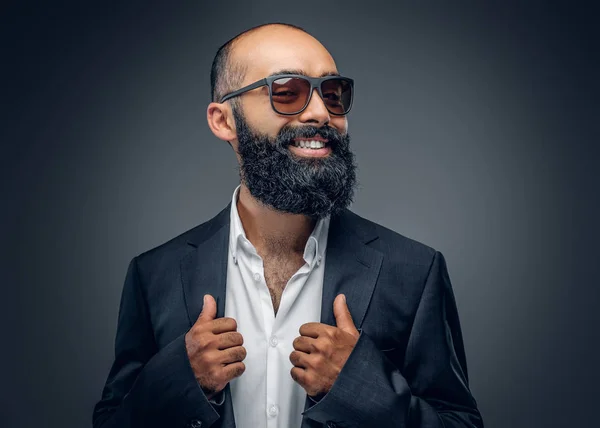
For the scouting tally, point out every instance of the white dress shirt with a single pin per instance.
(265, 395)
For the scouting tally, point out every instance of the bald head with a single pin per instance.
(248, 49)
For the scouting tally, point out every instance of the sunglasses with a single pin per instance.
(291, 93)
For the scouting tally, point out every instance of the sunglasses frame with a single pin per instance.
(315, 83)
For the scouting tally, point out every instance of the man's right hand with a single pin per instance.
(214, 349)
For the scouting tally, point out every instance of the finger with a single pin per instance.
(233, 355)
(313, 329)
(304, 344)
(299, 376)
(234, 370)
(298, 359)
(343, 318)
(229, 340)
(223, 325)
(209, 309)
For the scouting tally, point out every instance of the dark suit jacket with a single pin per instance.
(408, 368)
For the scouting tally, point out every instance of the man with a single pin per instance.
(286, 309)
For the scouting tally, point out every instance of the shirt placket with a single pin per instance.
(271, 341)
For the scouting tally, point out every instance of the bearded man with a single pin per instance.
(287, 309)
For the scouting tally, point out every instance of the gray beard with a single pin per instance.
(315, 187)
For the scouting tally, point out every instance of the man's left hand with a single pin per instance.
(322, 350)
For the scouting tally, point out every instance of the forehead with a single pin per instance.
(272, 49)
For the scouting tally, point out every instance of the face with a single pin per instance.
(274, 166)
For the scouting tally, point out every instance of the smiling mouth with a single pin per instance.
(310, 143)
(309, 148)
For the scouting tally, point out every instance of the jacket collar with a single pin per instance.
(351, 266)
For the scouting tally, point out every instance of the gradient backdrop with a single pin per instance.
(475, 128)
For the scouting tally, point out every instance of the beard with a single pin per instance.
(279, 179)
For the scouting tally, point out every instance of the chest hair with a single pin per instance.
(278, 271)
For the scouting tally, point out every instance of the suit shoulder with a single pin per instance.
(400, 247)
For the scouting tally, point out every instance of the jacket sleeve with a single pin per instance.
(148, 387)
(430, 390)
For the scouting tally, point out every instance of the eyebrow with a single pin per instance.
(302, 73)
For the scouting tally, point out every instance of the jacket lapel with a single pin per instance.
(352, 269)
(204, 271)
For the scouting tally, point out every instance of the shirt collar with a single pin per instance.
(314, 251)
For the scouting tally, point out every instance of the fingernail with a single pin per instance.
(344, 297)
(204, 299)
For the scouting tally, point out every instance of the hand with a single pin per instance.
(322, 350)
(214, 349)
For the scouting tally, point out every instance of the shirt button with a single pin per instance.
(273, 410)
(256, 276)
(273, 341)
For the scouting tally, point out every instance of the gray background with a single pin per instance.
(475, 129)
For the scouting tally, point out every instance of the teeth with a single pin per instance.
(312, 144)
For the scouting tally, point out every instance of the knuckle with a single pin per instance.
(214, 358)
(194, 332)
(319, 361)
(224, 376)
(208, 359)
(230, 339)
(234, 354)
(206, 341)
(331, 334)
(240, 369)
(213, 374)
(228, 323)
(335, 335)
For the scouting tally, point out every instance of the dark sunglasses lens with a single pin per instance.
(337, 95)
(289, 94)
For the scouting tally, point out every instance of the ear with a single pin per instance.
(220, 121)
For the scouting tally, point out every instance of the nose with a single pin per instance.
(315, 111)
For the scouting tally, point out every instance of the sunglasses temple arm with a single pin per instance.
(250, 87)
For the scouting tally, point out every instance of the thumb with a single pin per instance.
(209, 309)
(343, 318)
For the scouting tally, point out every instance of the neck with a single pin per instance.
(272, 232)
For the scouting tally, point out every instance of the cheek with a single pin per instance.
(340, 123)
(262, 118)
